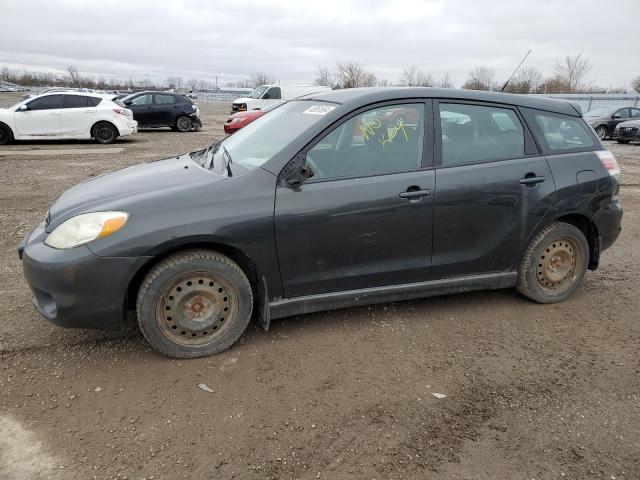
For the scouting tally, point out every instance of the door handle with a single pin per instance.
(415, 193)
(531, 179)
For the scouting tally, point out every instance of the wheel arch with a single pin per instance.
(247, 265)
(590, 231)
(13, 135)
(95, 124)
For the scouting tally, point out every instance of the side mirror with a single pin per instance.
(266, 96)
(300, 175)
(296, 171)
(128, 103)
(22, 108)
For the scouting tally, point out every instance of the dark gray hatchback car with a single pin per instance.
(338, 199)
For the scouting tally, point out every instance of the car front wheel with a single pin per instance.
(601, 131)
(5, 134)
(194, 303)
(554, 263)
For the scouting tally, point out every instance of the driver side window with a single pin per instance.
(142, 100)
(375, 142)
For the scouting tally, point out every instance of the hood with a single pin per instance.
(629, 123)
(247, 113)
(245, 100)
(114, 190)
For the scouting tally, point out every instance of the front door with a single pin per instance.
(42, 117)
(493, 189)
(142, 108)
(365, 218)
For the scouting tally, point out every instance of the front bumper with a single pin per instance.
(195, 120)
(627, 133)
(76, 288)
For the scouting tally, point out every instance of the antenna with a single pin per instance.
(514, 72)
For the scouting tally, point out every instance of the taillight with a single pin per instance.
(120, 111)
(609, 162)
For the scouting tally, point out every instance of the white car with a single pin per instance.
(66, 115)
(265, 95)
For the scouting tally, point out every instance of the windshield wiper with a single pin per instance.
(229, 161)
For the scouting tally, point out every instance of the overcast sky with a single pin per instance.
(290, 39)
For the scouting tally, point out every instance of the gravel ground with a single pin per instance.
(533, 391)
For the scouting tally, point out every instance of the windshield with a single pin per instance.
(257, 93)
(599, 112)
(255, 144)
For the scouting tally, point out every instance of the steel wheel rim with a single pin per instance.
(104, 133)
(602, 132)
(557, 265)
(197, 308)
(184, 123)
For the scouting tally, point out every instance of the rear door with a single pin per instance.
(493, 187)
(164, 107)
(42, 117)
(77, 115)
(365, 218)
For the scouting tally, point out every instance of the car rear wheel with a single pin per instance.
(623, 141)
(6, 136)
(554, 263)
(601, 131)
(193, 304)
(104, 133)
(184, 124)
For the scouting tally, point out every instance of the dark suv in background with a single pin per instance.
(163, 109)
(604, 119)
(338, 199)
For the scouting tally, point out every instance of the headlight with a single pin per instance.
(85, 228)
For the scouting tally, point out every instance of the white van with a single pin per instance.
(266, 94)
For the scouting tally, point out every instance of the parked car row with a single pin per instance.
(63, 114)
(11, 87)
(619, 123)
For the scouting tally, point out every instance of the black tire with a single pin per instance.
(623, 141)
(540, 271)
(104, 132)
(6, 135)
(171, 291)
(602, 132)
(184, 123)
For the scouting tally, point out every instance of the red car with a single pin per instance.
(241, 119)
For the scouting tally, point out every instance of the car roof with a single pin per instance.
(363, 96)
(69, 92)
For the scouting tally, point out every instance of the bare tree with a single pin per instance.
(260, 78)
(444, 81)
(351, 74)
(325, 77)
(525, 81)
(383, 82)
(571, 71)
(412, 76)
(481, 78)
(74, 75)
(635, 83)
(174, 82)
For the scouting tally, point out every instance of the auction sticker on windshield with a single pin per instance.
(319, 110)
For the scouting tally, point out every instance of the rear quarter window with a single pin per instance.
(562, 133)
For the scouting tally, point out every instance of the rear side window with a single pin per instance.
(163, 99)
(78, 101)
(562, 132)
(183, 99)
(635, 113)
(476, 133)
(49, 102)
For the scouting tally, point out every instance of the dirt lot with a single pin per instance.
(533, 391)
